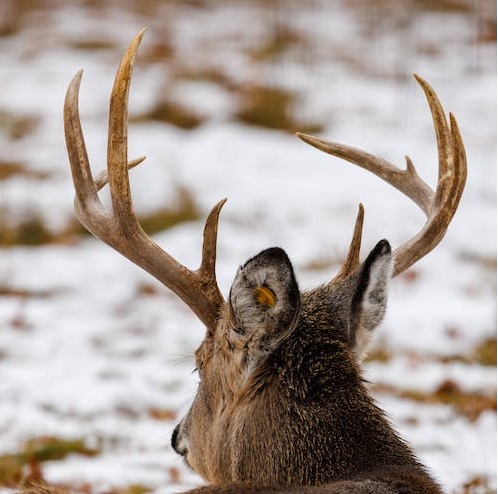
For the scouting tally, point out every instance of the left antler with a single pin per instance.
(120, 228)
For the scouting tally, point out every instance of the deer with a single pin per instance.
(282, 405)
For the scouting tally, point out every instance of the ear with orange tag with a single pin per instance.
(265, 299)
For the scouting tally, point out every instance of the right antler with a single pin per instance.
(121, 229)
(439, 207)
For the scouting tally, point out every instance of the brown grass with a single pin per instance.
(18, 126)
(32, 229)
(467, 403)
(24, 466)
(10, 169)
(477, 485)
(271, 108)
(484, 353)
(280, 40)
(173, 113)
(94, 44)
(185, 209)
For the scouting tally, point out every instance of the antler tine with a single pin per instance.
(121, 230)
(208, 264)
(117, 143)
(452, 176)
(439, 207)
(406, 181)
(86, 198)
(352, 261)
(103, 178)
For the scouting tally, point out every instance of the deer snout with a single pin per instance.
(177, 442)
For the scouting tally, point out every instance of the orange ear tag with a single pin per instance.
(265, 296)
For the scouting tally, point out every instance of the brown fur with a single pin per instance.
(286, 409)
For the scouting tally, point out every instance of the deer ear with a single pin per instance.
(370, 298)
(264, 301)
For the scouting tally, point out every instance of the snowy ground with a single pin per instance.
(93, 348)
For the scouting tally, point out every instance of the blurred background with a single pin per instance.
(96, 357)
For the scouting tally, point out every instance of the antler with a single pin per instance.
(439, 207)
(120, 228)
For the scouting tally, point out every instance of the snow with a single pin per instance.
(87, 353)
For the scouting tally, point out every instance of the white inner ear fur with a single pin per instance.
(373, 304)
(247, 311)
(258, 327)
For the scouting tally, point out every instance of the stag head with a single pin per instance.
(281, 400)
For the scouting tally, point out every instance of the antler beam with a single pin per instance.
(439, 206)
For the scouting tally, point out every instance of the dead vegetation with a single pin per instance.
(477, 485)
(173, 113)
(484, 353)
(280, 41)
(466, 403)
(9, 169)
(16, 126)
(31, 229)
(271, 108)
(24, 466)
(470, 404)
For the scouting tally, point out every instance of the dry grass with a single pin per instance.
(469, 404)
(17, 126)
(24, 466)
(477, 485)
(482, 354)
(271, 108)
(279, 41)
(485, 353)
(32, 230)
(9, 169)
(95, 44)
(173, 113)
(184, 209)
(486, 262)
